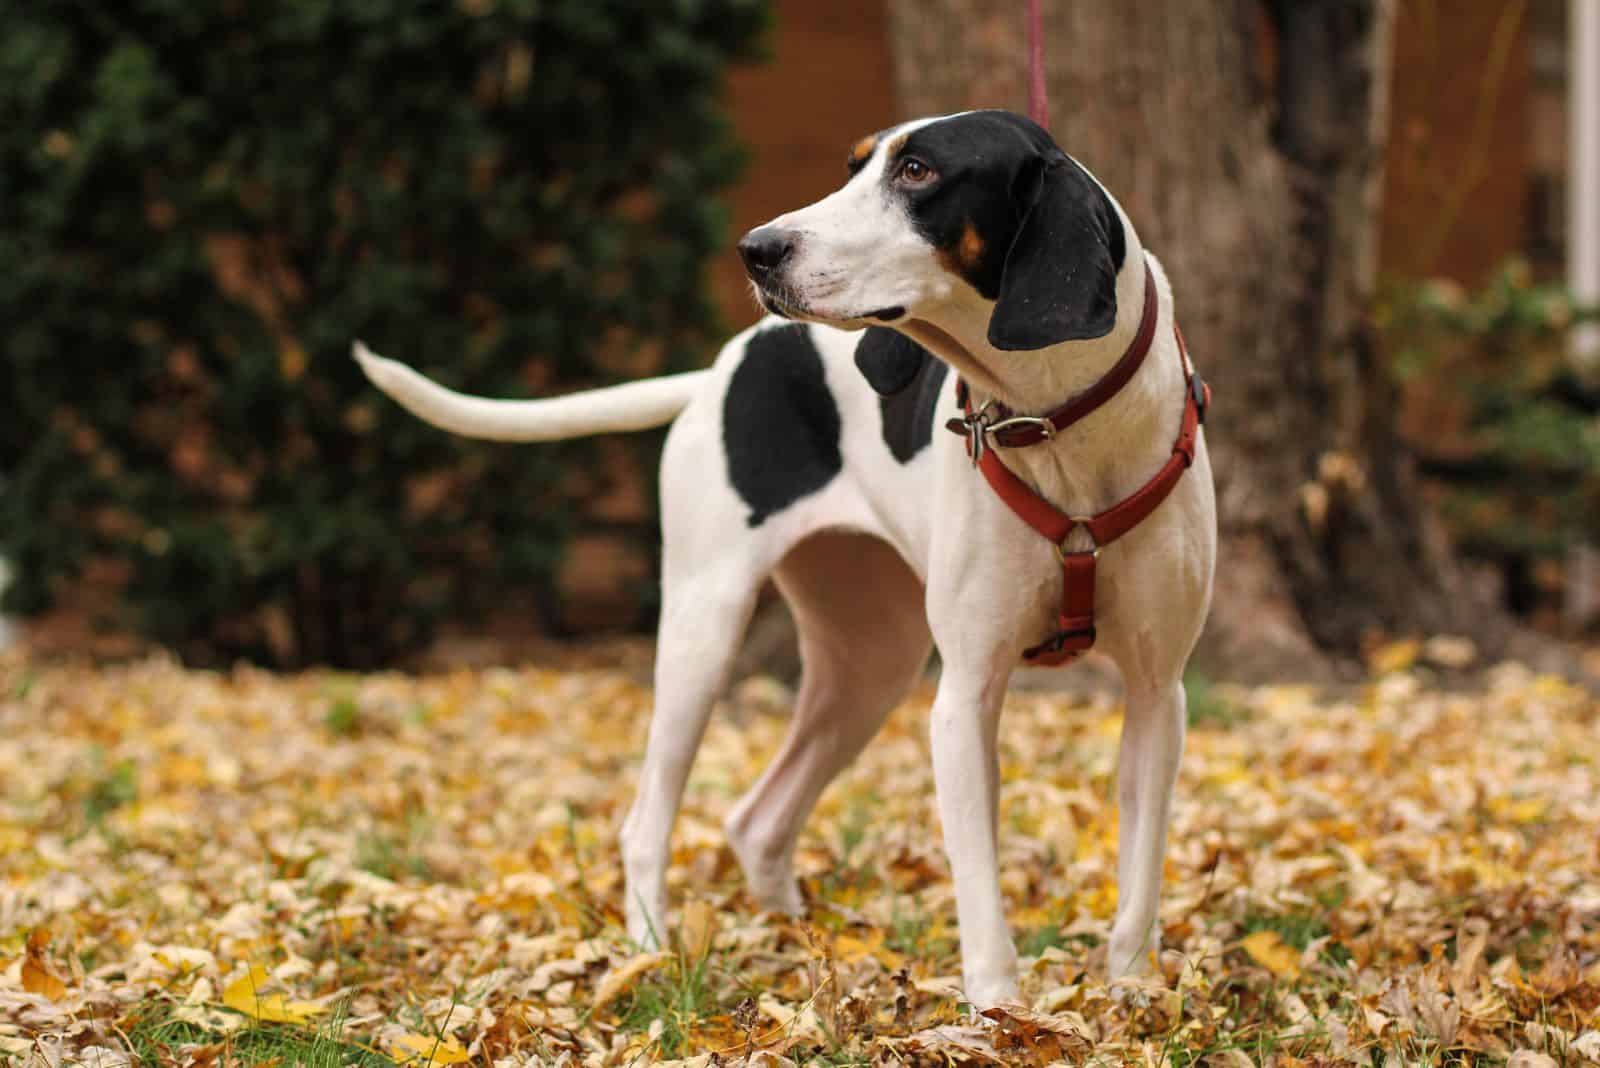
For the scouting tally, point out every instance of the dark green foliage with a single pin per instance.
(202, 204)
(1504, 419)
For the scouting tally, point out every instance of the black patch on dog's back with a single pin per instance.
(780, 425)
(908, 414)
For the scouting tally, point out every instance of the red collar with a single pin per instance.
(995, 424)
(1075, 631)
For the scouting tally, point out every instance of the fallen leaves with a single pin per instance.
(1267, 949)
(620, 978)
(254, 994)
(426, 869)
(37, 975)
(422, 1051)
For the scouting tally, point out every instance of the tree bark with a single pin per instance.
(1245, 140)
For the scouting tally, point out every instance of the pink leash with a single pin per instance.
(1038, 105)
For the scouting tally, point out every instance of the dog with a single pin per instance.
(811, 452)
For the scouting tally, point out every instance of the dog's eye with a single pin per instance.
(913, 171)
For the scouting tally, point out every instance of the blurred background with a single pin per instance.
(1382, 220)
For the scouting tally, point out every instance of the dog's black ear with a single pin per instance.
(1060, 277)
(888, 359)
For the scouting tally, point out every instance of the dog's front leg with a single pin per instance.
(963, 728)
(1152, 744)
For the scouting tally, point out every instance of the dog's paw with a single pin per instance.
(992, 992)
(785, 898)
(1131, 957)
(1133, 992)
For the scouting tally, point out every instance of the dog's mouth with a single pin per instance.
(783, 309)
(792, 308)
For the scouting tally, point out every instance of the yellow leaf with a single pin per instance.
(37, 978)
(1269, 951)
(850, 949)
(1528, 810)
(621, 977)
(1392, 657)
(698, 928)
(421, 1051)
(249, 995)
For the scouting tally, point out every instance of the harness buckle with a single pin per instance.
(974, 425)
(1201, 394)
(980, 429)
(1046, 427)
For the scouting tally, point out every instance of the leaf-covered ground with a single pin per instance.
(244, 868)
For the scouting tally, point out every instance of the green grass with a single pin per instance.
(343, 717)
(1530, 946)
(1035, 940)
(1300, 929)
(853, 827)
(679, 995)
(908, 934)
(393, 855)
(1208, 707)
(155, 1038)
(116, 786)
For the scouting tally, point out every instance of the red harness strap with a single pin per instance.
(1075, 633)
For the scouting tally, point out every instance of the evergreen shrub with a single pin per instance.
(202, 204)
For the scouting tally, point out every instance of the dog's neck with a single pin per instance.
(1032, 382)
(1095, 455)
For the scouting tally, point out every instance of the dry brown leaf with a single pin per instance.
(421, 869)
(619, 979)
(37, 975)
(1030, 1037)
(1229, 1058)
(1527, 1058)
(697, 929)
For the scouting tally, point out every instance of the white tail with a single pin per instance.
(630, 406)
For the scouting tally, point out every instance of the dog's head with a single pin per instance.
(979, 202)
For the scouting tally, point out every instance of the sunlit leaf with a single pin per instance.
(253, 995)
(421, 1051)
(1268, 949)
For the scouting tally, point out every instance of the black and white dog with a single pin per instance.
(809, 452)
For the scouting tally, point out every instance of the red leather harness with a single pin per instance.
(994, 424)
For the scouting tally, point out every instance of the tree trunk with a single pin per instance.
(1245, 139)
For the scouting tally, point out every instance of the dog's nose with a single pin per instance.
(763, 249)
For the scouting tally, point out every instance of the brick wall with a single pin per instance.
(1457, 181)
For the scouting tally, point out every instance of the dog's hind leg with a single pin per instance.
(703, 616)
(863, 641)
(1152, 743)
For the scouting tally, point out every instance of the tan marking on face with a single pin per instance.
(863, 148)
(963, 259)
(970, 250)
(896, 145)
